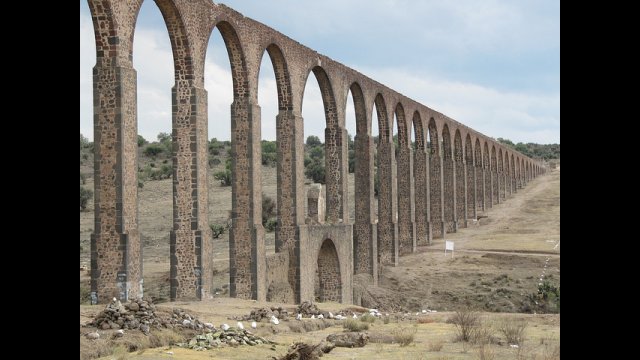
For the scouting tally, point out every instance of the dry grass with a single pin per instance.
(355, 325)
(485, 352)
(466, 321)
(435, 346)
(404, 335)
(513, 331)
(426, 320)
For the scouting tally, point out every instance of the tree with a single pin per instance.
(141, 141)
(313, 140)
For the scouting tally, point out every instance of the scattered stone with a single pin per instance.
(349, 339)
(231, 337)
(93, 335)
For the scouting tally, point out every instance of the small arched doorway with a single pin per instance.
(328, 285)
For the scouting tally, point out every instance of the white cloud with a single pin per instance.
(516, 116)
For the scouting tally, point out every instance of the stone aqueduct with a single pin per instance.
(453, 172)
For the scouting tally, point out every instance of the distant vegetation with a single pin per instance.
(534, 151)
(155, 160)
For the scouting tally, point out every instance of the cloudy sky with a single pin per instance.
(493, 65)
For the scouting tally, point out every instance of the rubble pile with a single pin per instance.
(265, 313)
(141, 314)
(216, 338)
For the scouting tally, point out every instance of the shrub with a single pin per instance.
(368, 318)
(316, 172)
(213, 161)
(465, 321)
(224, 177)
(142, 141)
(513, 331)
(386, 320)
(435, 346)
(485, 352)
(217, 230)
(271, 225)
(404, 336)
(355, 325)
(268, 209)
(85, 195)
(425, 320)
(153, 150)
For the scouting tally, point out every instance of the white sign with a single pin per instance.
(448, 245)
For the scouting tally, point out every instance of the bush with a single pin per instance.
(316, 172)
(217, 230)
(213, 162)
(513, 331)
(271, 225)
(368, 318)
(435, 346)
(268, 208)
(466, 322)
(224, 177)
(355, 325)
(142, 141)
(153, 150)
(404, 336)
(85, 195)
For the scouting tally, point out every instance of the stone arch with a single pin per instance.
(334, 137)
(283, 78)
(404, 183)
(383, 123)
(435, 180)
(329, 281)
(448, 180)
(471, 178)
(421, 186)
(362, 128)
(403, 136)
(458, 157)
(236, 59)
(480, 204)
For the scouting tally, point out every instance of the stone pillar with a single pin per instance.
(190, 248)
(480, 188)
(334, 174)
(448, 170)
(116, 251)
(422, 210)
(472, 190)
(247, 263)
(406, 209)
(436, 197)
(365, 245)
(387, 205)
(316, 203)
(290, 210)
(461, 193)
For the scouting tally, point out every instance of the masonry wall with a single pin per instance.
(421, 192)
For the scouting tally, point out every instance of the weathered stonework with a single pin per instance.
(423, 192)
